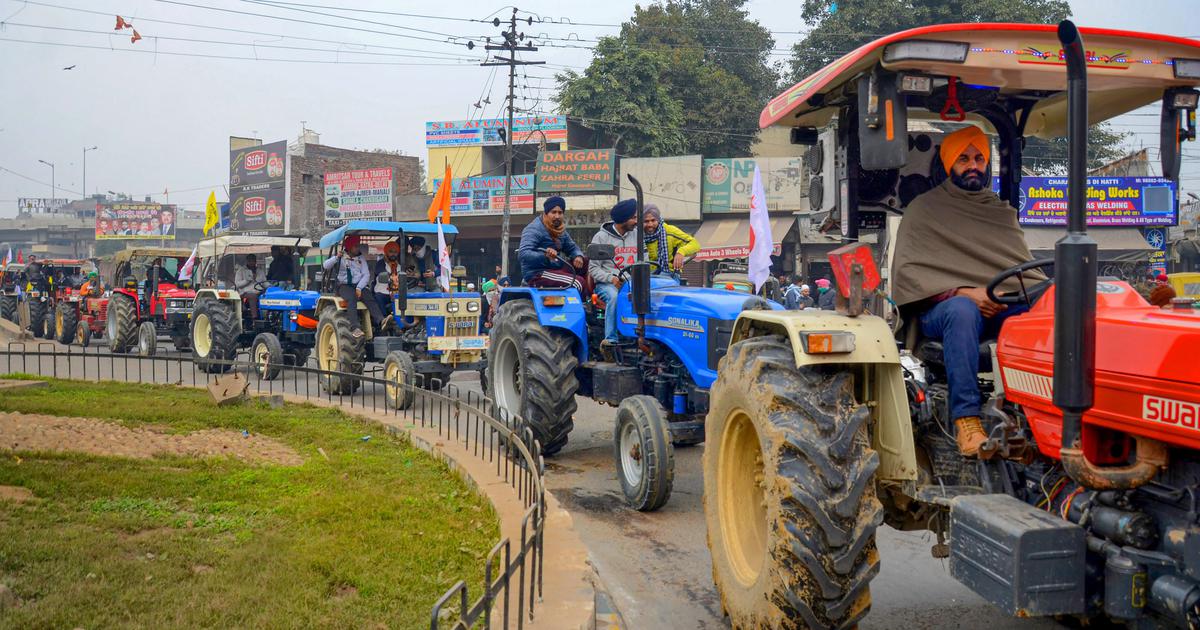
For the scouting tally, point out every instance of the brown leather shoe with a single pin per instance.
(970, 435)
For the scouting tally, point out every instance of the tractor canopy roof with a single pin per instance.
(151, 252)
(230, 244)
(1017, 63)
(386, 229)
(62, 262)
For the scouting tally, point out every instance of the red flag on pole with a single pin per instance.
(136, 36)
(20, 258)
(121, 23)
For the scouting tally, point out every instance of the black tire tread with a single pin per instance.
(274, 349)
(122, 309)
(656, 447)
(352, 352)
(225, 329)
(70, 319)
(8, 307)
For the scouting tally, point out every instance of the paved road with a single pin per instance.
(656, 566)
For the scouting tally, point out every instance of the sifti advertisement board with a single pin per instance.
(727, 184)
(485, 195)
(1111, 201)
(361, 194)
(135, 221)
(488, 131)
(257, 190)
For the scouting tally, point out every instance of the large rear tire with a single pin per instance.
(37, 318)
(789, 492)
(215, 331)
(339, 350)
(8, 307)
(66, 319)
(532, 372)
(122, 323)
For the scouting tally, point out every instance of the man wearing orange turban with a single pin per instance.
(952, 241)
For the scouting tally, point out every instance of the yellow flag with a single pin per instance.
(211, 216)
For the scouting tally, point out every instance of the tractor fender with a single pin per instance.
(137, 304)
(878, 358)
(569, 317)
(222, 295)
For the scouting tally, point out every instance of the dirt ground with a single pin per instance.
(25, 432)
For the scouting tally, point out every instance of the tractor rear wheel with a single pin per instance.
(267, 354)
(339, 350)
(8, 307)
(215, 330)
(789, 492)
(643, 452)
(398, 369)
(37, 318)
(122, 323)
(532, 370)
(66, 319)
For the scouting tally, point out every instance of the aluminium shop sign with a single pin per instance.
(485, 195)
(488, 131)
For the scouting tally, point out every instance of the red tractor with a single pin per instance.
(44, 279)
(69, 278)
(146, 301)
(1084, 499)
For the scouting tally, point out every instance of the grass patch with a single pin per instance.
(370, 537)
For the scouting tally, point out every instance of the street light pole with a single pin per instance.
(85, 150)
(53, 187)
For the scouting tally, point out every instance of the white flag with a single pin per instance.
(761, 242)
(185, 272)
(443, 260)
(8, 258)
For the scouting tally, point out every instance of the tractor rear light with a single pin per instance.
(1187, 69)
(926, 50)
(832, 342)
(554, 300)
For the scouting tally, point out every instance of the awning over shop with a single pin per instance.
(1115, 244)
(730, 238)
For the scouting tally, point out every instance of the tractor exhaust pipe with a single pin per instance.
(639, 272)
(1075, 301)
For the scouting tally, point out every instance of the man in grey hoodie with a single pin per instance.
(621, 233)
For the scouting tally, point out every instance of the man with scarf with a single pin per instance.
(953, 240)
(666, 245)
(388, 264)
(541, 242)
(621, 233)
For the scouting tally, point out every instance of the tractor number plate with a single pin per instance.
(458, 343)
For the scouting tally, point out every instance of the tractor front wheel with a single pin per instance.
(643, 453)
(532, 371)
(147, 339)
(339, 351)
(789, 492)
(215, 330)
(398, 372)
(66, 319)
(267, 353)
(83, 334)
(122, 323)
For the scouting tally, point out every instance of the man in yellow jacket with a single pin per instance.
(666, 245)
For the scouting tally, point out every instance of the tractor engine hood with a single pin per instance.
(667, 297)
(275, 298)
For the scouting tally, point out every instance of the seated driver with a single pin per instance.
(548, 233)
(953, 240)
(245, 277)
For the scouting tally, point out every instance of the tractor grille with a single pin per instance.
(462, 326)
(103, 311)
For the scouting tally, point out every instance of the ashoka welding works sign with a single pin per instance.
(580, 170)
(1111, 201)
(361, 194)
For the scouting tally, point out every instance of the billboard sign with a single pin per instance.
(727, 184)
(485, 195)
(362, 194)
(39, 205)
(257, 188)
(576, 171)
(135, 221)
(487, 131)
(1111, 201)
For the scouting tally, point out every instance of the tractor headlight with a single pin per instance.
(473, 307)
(452, 307)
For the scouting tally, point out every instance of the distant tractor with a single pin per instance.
(148, 301)
(223, 320)
(11, 280)
(68, 279)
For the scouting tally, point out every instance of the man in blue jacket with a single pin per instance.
(549, 234)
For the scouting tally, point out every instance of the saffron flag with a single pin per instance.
(211, 216)
(761, 242)
(443, 255)
(185, 272)
(441, 199)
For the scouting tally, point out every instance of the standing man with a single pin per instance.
(245, 280)
(825, 295)
(353, 278)
(791, 292)
(666, 245)
(167, 225)
(621, 233)
(541, 241)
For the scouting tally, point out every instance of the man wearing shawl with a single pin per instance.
(666, 245)
(953, 240)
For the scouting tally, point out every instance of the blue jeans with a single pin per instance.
(960, 326)
(608, 293)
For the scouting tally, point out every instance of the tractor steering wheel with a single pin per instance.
(261, 287)
(625, 270)
(1023, 297)
(563, 259)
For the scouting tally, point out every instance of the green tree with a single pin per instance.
(710, 79)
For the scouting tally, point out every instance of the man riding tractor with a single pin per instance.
(147, 300)
(69, 278)
(11, 282)
(1070, 488)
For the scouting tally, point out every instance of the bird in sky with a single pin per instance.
(69, 68)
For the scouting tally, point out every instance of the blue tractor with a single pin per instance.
(545, 350)
(431, 333)
(284, 331)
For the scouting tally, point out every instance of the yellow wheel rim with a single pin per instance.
(202, 335)
(58, 324)
(262, 358)
(392, 376)
(741, 501)
(327, 348)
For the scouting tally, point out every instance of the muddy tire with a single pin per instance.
(215, 330)
(8, 307)
(643, 453)
(66, 319)
(339, 350)
(789, 493)
(121, 324)
(532, 372)
(267, 355)
(398, 369)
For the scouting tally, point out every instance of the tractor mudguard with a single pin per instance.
(569, 316)
(133, 295)
(876, 352)
(222, 295)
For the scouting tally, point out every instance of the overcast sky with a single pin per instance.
(161, 116)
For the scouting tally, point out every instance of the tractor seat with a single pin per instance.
(930, 352)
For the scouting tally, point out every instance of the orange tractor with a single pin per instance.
(1084, 500)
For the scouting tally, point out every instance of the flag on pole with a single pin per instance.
(211, 216)
(8, 258)
(441, 199)
(443, 256)
(185, 272)
(761, 242)
(20, 258)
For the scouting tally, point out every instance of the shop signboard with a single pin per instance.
(576, 171)
(485, 195)
(39, 205)
(257, 188)
(135, 221)
(728, 181)
(487, 131)
(671, 183)
(1157, 238)
(362, 194)
(1111, 201)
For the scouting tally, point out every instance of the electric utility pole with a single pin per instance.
(512, 45)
